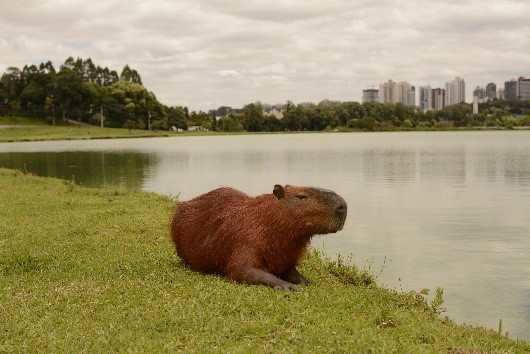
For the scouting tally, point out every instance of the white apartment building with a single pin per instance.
(455, 91)
(397, 92)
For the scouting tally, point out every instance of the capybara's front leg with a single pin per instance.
(292, 275)
(257, 276)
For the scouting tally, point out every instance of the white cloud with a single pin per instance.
(225, 73)
(208, 53)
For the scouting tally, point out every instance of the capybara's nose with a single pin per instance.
(341, 209)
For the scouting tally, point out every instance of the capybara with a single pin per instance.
(256, 240)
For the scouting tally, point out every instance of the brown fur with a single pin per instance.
(257, 240)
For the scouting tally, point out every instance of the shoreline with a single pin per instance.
(27, 133)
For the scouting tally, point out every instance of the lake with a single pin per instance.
(425, 209)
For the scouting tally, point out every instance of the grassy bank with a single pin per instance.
(26, 131)
(33, 129)
(93, 270)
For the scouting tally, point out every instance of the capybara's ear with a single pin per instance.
(278, 191)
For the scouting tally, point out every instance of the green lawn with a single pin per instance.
(30, 133)
(4, 120)
(34, 129)
(93, 270)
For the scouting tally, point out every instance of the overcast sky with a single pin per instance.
(204, 53)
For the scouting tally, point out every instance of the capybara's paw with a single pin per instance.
(303, 280)
(293, 276)
(288, 287)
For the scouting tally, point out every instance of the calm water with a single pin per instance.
(433, 209)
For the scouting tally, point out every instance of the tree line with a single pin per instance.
(83, 91)
(371, 116)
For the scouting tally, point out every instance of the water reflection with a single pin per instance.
(88, 168)
(436, 209)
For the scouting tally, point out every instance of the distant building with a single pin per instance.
(480, 93)
(491, 91)
(388, 92)
(510, 90)
(522, 89)
(426, 102)
(273, 111)
(438, 98)
(397, 92)
(370, 95)
(500, 93)
(455, 91)
(410, 93)
(221, 112)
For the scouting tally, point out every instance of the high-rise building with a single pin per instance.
(370, 95)
(455, 91)
(491, 91)
(438, 98)
(510, 90)
(397, 92)
(500, 93)
(522, 89)
(479, 92)
(410, 93)
(426, 102)
(388, 92)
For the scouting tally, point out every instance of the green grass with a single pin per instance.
(72, 133)
(93, 270)
(35, 130)
(22, 120)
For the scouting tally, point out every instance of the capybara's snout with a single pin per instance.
(341, 211)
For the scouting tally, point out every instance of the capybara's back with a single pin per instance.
(257, 240)
(195, 225)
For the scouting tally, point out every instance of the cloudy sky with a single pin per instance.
(207, 53)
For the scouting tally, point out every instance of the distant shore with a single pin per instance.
(38, 132)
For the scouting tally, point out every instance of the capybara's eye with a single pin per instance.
(301, 196)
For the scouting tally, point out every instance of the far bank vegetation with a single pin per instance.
(83, 92)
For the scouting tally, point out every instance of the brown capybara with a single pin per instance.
(256, 240)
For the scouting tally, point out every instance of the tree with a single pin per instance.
(68, 90)
(458, 114)
(130, 101)
(201, 119)
(176, 117)
(253, 117)
(351, 110)
(12, 83)
(3, 94)
(33, 94)
(36, 87)
(47, 68)
(273, 124)
(231, 123)
(99, 103)
(294, 116)
(130, 75)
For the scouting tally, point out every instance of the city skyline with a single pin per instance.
(427, 97)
